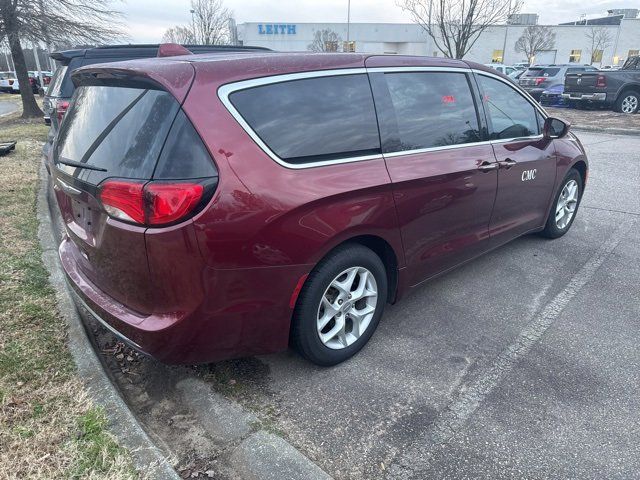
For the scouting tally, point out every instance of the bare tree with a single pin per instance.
(75, 21)
(179, 34)
(600, 38)
(325, 40)
(535, 39)
(455, 25)
(210, 25)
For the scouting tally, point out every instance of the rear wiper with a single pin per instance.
(71, 163)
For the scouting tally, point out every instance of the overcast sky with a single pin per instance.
(148, 19)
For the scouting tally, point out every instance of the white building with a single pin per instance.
(495, 44)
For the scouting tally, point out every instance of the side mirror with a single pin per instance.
(555, 128)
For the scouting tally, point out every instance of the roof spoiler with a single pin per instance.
(172, 50)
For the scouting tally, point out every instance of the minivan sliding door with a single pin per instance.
(444, 176)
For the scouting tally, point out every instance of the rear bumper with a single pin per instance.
(243, 312)
(591, 97)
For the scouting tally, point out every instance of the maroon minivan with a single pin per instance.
(230, 205)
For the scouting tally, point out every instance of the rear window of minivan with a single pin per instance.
(313, 119)
(120, 130)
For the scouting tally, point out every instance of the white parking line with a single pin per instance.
(453, 418)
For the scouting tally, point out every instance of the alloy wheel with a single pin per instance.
(567, 203)
(629, 104)
(347, 308)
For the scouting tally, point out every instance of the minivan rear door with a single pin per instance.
(444, 175)
(109, 132)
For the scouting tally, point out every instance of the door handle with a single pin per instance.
(487, 166)
(507, 163)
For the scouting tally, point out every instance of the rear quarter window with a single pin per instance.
(310, 120)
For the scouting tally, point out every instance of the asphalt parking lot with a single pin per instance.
(521, 364)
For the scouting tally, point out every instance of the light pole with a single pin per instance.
(193, 25)
(506, 31)
(348, 22)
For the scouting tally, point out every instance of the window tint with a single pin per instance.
(432, 109)
(119, 129)
(510, 114)
(314, 119)
(184, 155)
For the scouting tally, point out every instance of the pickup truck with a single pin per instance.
(616, 89)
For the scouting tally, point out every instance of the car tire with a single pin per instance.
(565, 206)
(322, 309)
(628, 102)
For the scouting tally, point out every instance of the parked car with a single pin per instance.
(521, 65)
(539, 78)
(504, 69)
(552, 97)
(515, 75)
(225, 205)
(34, 83)
(6, 81)
(615, 89)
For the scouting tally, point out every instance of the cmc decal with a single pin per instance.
(276, 29)
(529, 175)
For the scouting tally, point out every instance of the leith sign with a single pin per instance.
(276, 29)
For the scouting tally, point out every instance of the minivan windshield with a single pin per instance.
(118, 130)
(541, 72)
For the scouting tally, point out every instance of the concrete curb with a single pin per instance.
(264, 456)
(607, 131)
(251, 452)
(147, 457)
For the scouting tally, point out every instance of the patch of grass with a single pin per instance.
(48, 426)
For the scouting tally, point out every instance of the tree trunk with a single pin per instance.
(30, 108)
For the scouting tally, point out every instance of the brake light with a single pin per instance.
(123, 200)
(601, 81)
(153, 203)
(539, 80)
(167, 203)
(47, 80)
(61, 108)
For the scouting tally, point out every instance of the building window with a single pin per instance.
(330, 46)
(596, 56)
(497, 56)
(633, 53)
(575, 55)
(349, 47)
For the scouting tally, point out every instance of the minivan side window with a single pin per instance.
(431, 109)
(314, 119)
(510, 114)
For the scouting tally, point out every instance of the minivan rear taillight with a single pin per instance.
(61, 108)
(150, 203)
(601, 81)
